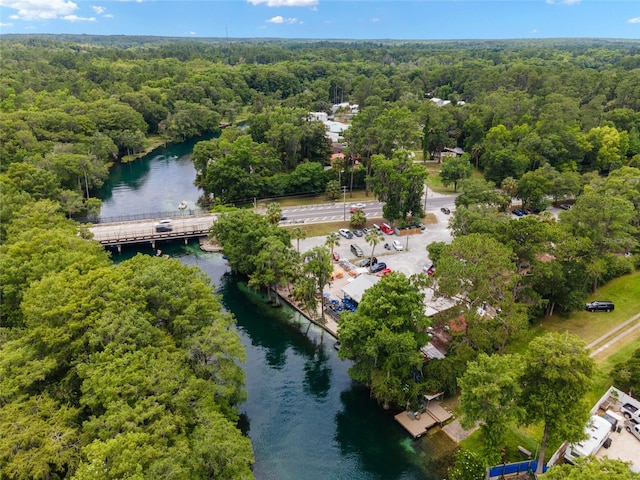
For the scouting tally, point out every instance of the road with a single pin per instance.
(341, 211)
(128, 232)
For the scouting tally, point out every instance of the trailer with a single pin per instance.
(598, 430)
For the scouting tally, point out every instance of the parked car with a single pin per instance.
(633, 429)
(358, 233)
(384, 273)
(565, 206)
(599, 306)
(378, 267)
(377, 227)
(429, 269)
(397, 245)
(356, 250)
(368, 261)
(164, 226)
(366, 230)
(445, 210)
(345, 233)
(386, 228)
(631, 412)
(518, 212)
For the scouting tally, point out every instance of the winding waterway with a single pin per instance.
(305, 417)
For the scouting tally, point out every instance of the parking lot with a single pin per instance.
(408, 261)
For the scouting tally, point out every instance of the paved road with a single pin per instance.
(340, 211)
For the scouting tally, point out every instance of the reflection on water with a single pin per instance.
(157, 182)
(306, 418)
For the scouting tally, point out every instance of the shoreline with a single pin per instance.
(330, 325)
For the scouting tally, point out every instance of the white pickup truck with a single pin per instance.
(631, 411)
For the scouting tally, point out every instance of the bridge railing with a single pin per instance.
(187, 212)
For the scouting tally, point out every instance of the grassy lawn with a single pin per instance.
(623, 291)
(514, 437)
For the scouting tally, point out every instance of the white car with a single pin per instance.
(345, 233)
(397, 245)
(164, 226)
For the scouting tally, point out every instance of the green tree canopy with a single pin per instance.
(382, 338)
(558, 373)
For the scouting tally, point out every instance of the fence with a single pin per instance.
(191, 212)
(511, 469)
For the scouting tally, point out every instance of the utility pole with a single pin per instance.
(426, 194)
(344, 203)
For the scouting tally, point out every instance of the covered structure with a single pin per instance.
(358, 286)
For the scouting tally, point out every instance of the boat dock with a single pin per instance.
(417, 423)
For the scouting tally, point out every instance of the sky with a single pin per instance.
(328, 19)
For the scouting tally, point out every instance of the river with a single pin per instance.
(305, 417)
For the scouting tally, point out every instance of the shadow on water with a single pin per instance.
(359, 430)
(275, 329)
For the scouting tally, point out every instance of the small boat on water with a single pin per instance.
(183, 205)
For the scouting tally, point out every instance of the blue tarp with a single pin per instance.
(512, 468)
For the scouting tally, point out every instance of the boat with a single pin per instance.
(183, 205)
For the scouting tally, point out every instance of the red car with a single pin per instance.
(386, 229)
(384, 272)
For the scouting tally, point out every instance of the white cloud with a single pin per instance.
(284, 3)
(375, 20)
(40, 9)
(192, 33)
(280, 19)
(75, 18)
(107, 15)
(535, 30)
(634, 20)
(6, 24)
(98, 9)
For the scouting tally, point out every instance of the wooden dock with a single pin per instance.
(417, 423)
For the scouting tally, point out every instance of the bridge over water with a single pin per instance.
(142, 231)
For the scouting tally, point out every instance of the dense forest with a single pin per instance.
(111, 369)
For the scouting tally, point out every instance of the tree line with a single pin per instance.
(514, 106)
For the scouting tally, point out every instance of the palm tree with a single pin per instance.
(333, 240)
(274, 213)
(358, 219)
(298, 234)
(373, 238)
